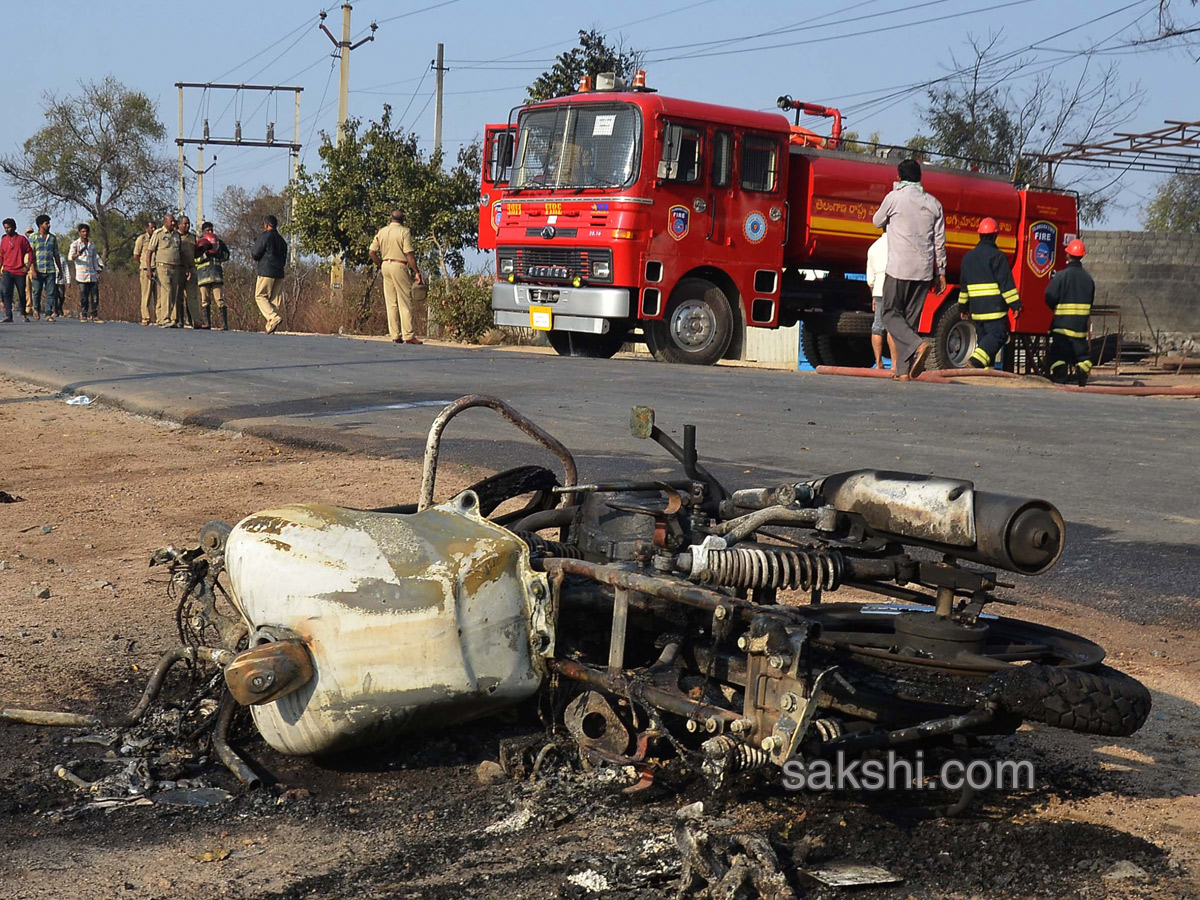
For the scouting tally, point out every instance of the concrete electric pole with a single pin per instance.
(337, 268)
(199, 173)
(344, 47)
(437, 103)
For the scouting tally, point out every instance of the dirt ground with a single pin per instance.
(82, 618)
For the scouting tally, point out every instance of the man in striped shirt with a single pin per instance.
(88, 266)
(47, 263)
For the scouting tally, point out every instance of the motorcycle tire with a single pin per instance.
(1102, 701)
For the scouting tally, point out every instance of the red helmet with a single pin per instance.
(988, 226)
(1076, 249)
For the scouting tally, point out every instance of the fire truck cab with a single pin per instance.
(629, 208)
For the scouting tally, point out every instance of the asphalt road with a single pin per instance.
(1123, 470)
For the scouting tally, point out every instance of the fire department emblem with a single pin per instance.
(1043, 247)
(755, 227)
(496, 212)
(679, 219)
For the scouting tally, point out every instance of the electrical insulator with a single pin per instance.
(270, 132)
(237, 131)
(206, 129)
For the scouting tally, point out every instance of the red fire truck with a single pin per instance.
(616, 211)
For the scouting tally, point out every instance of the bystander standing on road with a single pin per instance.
(876, 272)
(392, 251)
(88, 266)
(15, 257)
(47, 264)
(165, 258)
(188, 313)
(29, 309)
(916, 229)
(211, 252)
(143, 249)
(270, 252)
(60, 287)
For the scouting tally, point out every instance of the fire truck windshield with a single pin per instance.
(587, 145)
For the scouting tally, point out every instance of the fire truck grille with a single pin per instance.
(557, 264)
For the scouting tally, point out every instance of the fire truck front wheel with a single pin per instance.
(953, 339)
(589, 346)
(697, 326)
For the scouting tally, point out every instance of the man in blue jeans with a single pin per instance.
(15, 257)
(47, 263)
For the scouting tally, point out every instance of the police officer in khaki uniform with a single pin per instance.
(392, 251)
(167, 257)
(188, 313)
(141, 252)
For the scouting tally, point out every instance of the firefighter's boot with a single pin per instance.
(1058, 374)
(207, 317)
(1081, 376)
(224, 319)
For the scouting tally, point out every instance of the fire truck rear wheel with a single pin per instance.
(697, 326)
(589, 346)
(953, 339)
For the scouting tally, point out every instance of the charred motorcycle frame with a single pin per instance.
(653, 608)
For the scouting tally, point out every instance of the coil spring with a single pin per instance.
(741, 757)
(757, 567)
(540, 546)
(828, 729)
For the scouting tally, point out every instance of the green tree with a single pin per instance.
(1176, 205)
(593, 55)
(338, 208)
(98, 152)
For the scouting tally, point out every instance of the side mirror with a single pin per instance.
(641, 422)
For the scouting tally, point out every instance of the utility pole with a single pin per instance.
(199, 172)
(437, 103)
(337, 268)
(343, 48)
(179, 144)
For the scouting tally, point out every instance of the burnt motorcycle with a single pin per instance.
(670, 618)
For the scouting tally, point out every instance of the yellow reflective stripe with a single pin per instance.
(987, 317)
(1011, 296)
(1073, 309)
(981, 355)
(1069, 333)
(964, 294)
(985, 287)
(1058, 362)
(1085, 366)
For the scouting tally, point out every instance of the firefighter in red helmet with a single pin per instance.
(987, 294)
(1069, 295)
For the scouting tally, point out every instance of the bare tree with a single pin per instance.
(981, 120)
(97, 152)
(1168, 28)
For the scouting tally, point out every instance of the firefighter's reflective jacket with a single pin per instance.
(1069, 295)
(209, 256)
(987, 288)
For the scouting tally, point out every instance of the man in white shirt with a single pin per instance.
(876, 270)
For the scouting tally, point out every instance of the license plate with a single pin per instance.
(541, 295)
(541, 318)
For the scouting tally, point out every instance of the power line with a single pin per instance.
(414, 12)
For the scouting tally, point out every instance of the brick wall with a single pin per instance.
(1160, 269)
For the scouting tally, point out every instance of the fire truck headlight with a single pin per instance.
(601, 268)
(506, 266)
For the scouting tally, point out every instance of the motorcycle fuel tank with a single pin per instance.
(412, 621)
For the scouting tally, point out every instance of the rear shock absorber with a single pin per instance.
(758, 567)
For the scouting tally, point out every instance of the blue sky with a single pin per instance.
(852, 54)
